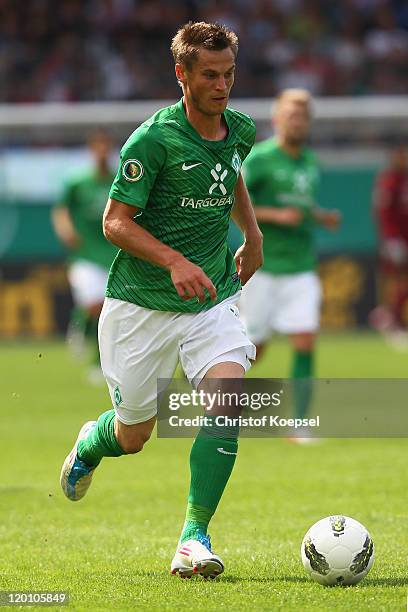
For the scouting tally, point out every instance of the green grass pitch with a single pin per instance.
(112, 550)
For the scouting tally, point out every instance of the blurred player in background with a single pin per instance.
(391, 210)
(174, 285)
(77, 219)
(282, 176)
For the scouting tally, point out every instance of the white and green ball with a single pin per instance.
(337, 550)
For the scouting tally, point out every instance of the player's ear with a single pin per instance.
(180, 74)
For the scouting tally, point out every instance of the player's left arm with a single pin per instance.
(330, 218)
(249, 256)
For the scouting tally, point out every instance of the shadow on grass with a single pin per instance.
(229, 578)
(8, 489)
(297, 579)
(403, 582)
(366, 582)
(232, 578)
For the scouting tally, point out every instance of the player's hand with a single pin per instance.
(331, 219)
(190, 281)
(248, 258)
(290, 216)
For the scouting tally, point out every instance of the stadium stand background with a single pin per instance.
(69, 66)
(77, 50)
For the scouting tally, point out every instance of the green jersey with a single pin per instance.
(276, 179)
(183, 188)
(85, 196)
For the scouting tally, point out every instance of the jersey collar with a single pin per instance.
(213, 144)
(282, 151)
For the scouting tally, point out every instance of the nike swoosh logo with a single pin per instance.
(224, 452)
(188, 167)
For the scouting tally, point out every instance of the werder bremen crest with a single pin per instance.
(236, 162)
(117, 396)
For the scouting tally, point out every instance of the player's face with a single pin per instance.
(293, 122)
(101, 148)
(208, 84)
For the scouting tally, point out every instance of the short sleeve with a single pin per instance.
(251, 139)
(141, 159)
(252, 171)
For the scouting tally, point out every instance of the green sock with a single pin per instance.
(197, 519)
(211, 462)
(101, 442)
(302, 377)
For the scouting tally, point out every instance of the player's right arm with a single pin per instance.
(289, 215)
(121, 229)
(64, 228)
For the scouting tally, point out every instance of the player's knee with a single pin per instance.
(304, 342)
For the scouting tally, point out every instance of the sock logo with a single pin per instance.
(224, 452)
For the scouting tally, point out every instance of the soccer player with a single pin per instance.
(282, 176)
(173, 286)
(77, 219)
(391, 209)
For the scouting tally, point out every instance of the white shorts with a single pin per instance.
(139, 345)
(88, 282)
(287, 303)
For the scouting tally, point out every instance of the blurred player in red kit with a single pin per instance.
(391, 210)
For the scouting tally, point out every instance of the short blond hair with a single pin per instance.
(296, 96)
(197, 35)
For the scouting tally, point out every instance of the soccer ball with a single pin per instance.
(337, 550)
